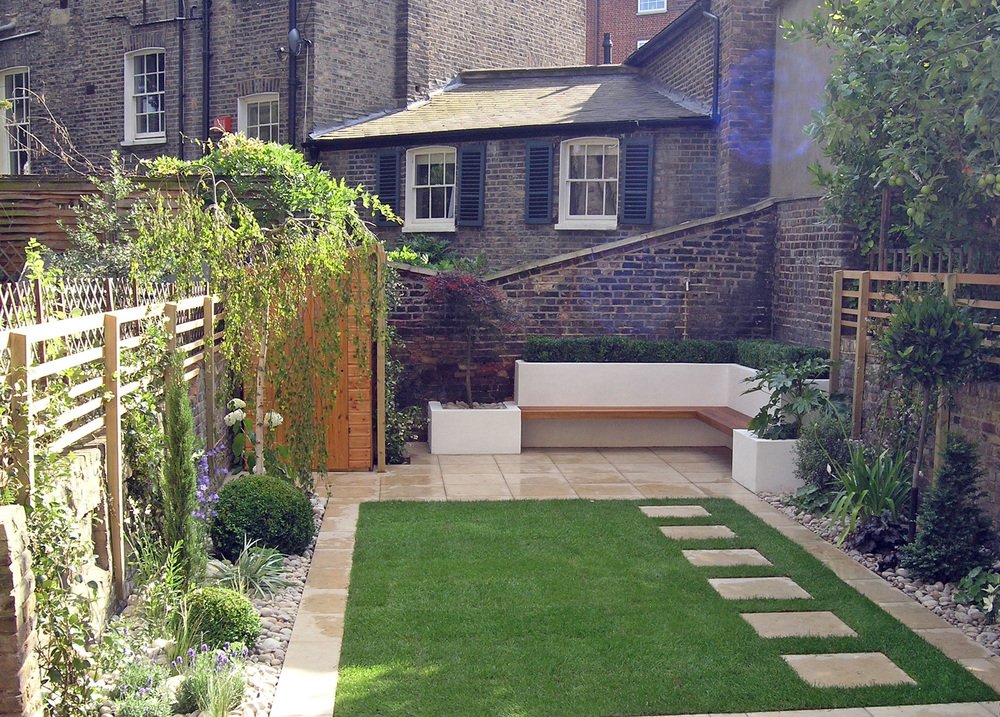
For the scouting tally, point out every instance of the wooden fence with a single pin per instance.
(862, 300)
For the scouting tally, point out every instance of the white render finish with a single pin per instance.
(762, 465)
(458, 431)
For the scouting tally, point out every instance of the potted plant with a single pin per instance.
(472, 310)
(764, 453)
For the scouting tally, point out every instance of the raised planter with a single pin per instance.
(763, 465)
(473, 431)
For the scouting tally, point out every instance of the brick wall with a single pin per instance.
(687, 64)
(747, 84)
(976, 414)
(684, 189)
(445, 37)
(20, 688)
(808, 250)
(709, 280)
(626, 25)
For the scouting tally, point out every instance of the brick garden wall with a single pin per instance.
(20, 688)
(684, 189)
(709, 280)
(686, 65)
(808, 250)
(626, 25)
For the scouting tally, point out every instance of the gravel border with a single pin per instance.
(936, 597)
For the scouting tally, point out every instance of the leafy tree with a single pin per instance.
(953, 534)
(932, 344)
(913, 104)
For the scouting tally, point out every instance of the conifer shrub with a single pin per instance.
(953, 534)
(223, 617)
(263, 508)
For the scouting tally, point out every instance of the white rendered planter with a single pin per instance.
(762, 465)
(473, 431)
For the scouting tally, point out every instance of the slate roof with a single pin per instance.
(482, 100)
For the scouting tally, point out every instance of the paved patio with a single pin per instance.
(308, 680)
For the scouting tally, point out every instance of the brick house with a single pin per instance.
(627, 25)
(138, 77)
(527, 164)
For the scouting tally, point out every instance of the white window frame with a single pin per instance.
(661, 6)
(243, 104)
(593, 221)
(410, 221)
(6, 166)
(132, 135)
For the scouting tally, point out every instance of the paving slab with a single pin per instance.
(952, 642)
(914, 615)
(758, 588)
(848, 669)
(696, 532)
(839, 712)
(879, 590)
(798, 624)
(725, 558)
(965, 709)
(674, 511)
(986, 669)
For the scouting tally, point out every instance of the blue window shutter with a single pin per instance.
(387, 182)
(636, 181)
(538, 183)
(471, 187)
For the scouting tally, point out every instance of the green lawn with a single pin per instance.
(582, 608)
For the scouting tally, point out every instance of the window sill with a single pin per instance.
(429, 226)
(651, 12)
(139, 142)
(587, 225)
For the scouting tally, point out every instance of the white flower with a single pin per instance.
(235, 417)
(273, 419)
(237, 403)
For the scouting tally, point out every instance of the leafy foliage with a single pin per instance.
(138, 691)
(793, 395)
(212, 681)
(869, 488)
(471, 308)
(980, 587)
(912, 105)
(427, 250)
(401, 422)
(262, 508)
(255, 573)
(821, 445)
(269, 230)
(223, 616)
(953, 534)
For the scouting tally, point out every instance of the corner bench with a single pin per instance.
(632, 405)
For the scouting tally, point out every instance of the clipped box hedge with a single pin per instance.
(753, 353)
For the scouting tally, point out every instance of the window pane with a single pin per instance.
(437, 172)
(595, 198)
(611, 162)
(423, 201)
(595, 162)
(611, 198)
(578, 198)
(449, 173)
(438, 202)
(449, 202)
(422, 171)
(253, 114)
(141, 123)
(577, 161)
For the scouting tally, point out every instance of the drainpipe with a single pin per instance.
(206, 70)
(716, 78)
(180, 76)
(293, 71)
(607, 48)
(597, 29)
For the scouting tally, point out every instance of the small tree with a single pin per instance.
(179, 480)
(953, 534)
(932, 344)
(470, 308)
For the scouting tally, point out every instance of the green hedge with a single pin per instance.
(754, 353)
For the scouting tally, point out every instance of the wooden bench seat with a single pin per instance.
(721, 418)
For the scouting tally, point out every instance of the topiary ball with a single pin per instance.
(264, 508)
(223, 616)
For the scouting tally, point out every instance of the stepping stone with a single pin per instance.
(852, 669)
(758, 588)
(696, 532)
(724, 558)
(797, 624)
(674, 511)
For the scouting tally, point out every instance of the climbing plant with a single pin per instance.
(269, 231)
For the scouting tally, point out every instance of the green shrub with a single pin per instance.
(212, 681)
(981, 588)
(622, 349)
(256, 572)
(138, 691)
(263, 508)
(142, 706)
(223, 616)
(869, 489)
(953, 534)
(822, 444)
